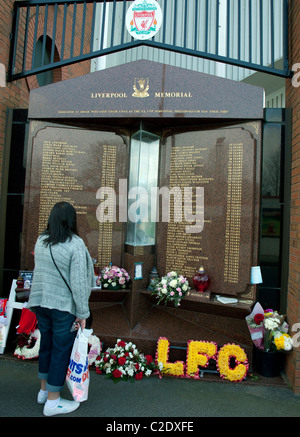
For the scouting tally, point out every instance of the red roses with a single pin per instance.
(149, 359)
(258, 318)
(121, 361)
(125, 362)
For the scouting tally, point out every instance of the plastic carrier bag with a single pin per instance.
(78, 378)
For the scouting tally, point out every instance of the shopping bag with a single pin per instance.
(78, 377)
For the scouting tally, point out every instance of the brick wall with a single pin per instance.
(293, 101)
(16, 94)
(13, 95)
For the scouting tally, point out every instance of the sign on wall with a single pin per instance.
(143, 19)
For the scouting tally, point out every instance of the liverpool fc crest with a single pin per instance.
(143, 19)
(141, 87)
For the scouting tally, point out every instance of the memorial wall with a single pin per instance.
(223, 161)
(210, 143)
(72, 164)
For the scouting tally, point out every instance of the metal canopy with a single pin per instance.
(251, 34)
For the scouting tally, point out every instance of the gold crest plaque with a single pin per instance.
(141, 87)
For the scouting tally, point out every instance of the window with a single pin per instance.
(47, 77)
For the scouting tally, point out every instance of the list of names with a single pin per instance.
(59, 178)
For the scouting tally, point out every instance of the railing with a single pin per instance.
(251, 34)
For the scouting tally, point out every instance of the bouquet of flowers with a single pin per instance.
(124, 362)
(113, 277)
(171, 288)
(268, 330)
(255, 325)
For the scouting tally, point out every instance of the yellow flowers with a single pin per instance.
(231, 360)
(162, 356)
(223, 362)
(283, 341)
(199, 353)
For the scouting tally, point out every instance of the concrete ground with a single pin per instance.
(171, 399)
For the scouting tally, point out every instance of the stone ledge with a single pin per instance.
(209, 305)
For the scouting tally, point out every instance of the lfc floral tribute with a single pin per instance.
(269, 331)
(125, 362)
(171, 288)
(113, 277)
(231, 360)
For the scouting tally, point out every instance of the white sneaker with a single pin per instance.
(63, 407)
(42, 397)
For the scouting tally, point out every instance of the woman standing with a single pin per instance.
(55, 305)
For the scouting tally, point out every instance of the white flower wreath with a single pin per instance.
(27, 353)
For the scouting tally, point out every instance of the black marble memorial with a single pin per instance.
(210, 132)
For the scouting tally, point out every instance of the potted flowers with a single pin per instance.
(171, 288)
(124, 362)
(269, 333)
(113, 278)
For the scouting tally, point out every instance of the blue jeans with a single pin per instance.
(56, 346)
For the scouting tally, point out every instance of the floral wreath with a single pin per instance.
(95, 349)
(239, 372)
(162, 359)
(23, 349)
(125, 362)
(199, 355)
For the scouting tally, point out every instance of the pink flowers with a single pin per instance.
(171, 288)
(113, 277)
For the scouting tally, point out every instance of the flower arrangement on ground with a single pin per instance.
(268, 330)
(237, 371)
(113, 277)
(171, 288)
(28, 345)
(124, 362)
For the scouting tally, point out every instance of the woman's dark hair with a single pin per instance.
(61, 225)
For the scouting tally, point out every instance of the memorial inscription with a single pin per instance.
(167, 92)
(71, 164)
(223, 162)
(109, 157)
(58, 177)
(186, 170)
(234, 213)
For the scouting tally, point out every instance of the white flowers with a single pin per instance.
(171, 287)
(271, 323)
(160, 365)
(124, 361)
(26, 352)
